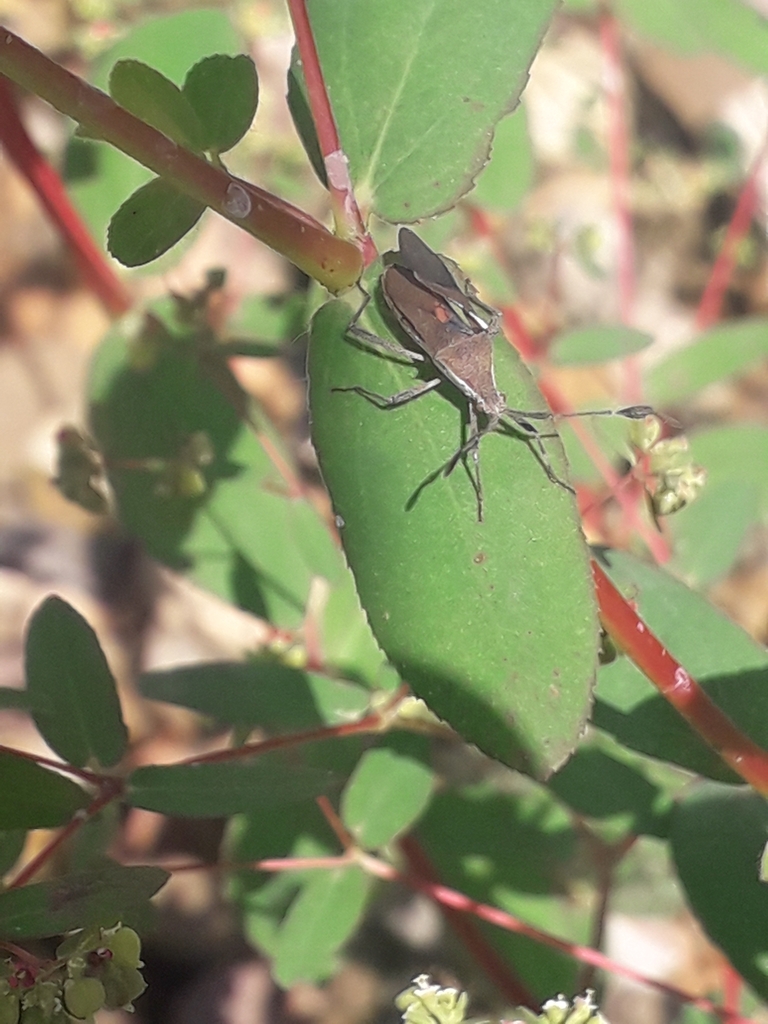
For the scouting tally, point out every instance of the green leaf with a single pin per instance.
(493, 624)
(264, 898)
(513, 851)
(385, 795)
(732, 668)
(321, 919)
(417, 90)
(170, 44)
(224, 93)
(10, 698)
(718, 837)
(261, 693)
(34, 797)
(217, 790)
(101, 895)
(597, 344)
(727, 27)
(150, 396)
(150, 222)
(722, 352)
(149, 95)
(604, 783)
(74, 700)
(509, 174)
(11, 844)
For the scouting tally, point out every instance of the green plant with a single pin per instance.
(493, 624)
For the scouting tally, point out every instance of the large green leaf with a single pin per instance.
(717, 653)
(102, 895)
(72, 691)
(34, 797)
(417, 89)
(718, 838)
(492, 623)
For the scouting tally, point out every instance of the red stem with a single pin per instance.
(110, 790)
(451, 898)
(711, 303)
(493, 965)
(332, 261)
(349, 220)
(632, 636)
(46, 183)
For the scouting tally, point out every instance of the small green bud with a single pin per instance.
(423, 1003)
(83, 996)
(125, 945)
(9, 1004)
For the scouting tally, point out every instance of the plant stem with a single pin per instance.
(49, 189)
(635, 639)
(332, 261)
(346, 213)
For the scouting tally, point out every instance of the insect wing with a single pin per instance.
(426, 318)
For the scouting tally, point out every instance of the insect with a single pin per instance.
(438, 309)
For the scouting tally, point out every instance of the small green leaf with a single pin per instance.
(384, 796)
(216, 790)
(155, 99)
(101, 895)
(74, 700)
(150, 221)
(224, 93)
(11, 844)
(321, 919)
(34, 797)
(613, 784)
(258, 693)
(597, 344)
(718, 837)
(722, 352)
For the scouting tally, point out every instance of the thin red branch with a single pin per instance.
(48, 762)
(633, 637)
(451, 898)
(96, 271)
(332, 261)
(110, 790)
(495, 967)
(711, 303)
(349, 220)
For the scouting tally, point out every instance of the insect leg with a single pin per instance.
(369, 338)
(392, 401)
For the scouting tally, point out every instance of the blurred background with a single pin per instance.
(540, 234)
